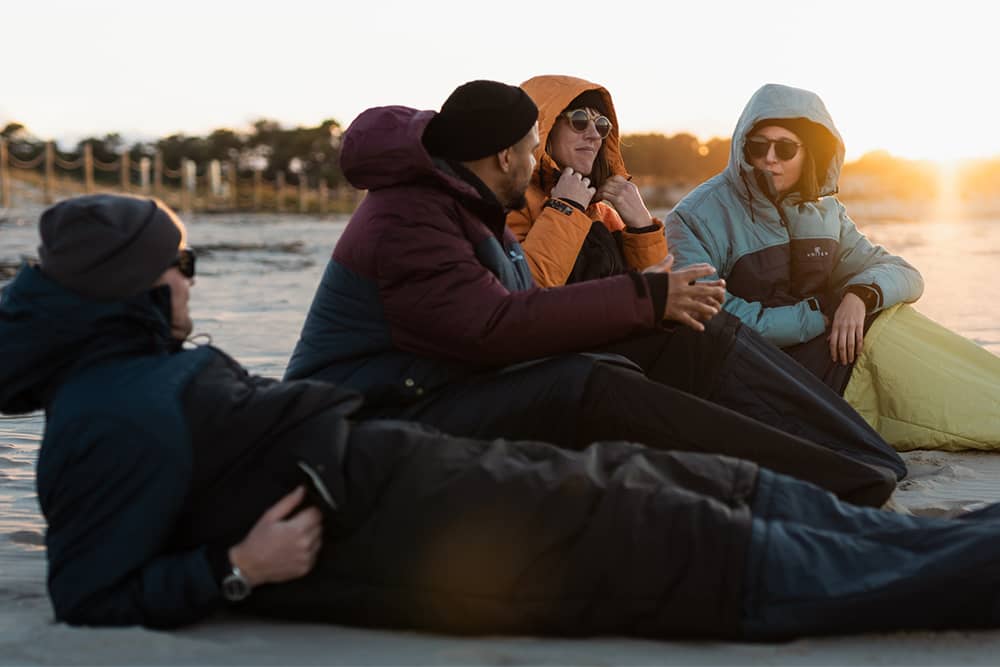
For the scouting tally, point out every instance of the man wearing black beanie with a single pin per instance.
(491, 130)
(459, 130)
(429, 309)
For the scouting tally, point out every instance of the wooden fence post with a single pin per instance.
(144, 175)
(303, 192)
(258, 177)
(126, 179)
(280, 194)
(323, 193)
(4, 175)
(48, 191)
(214, 182)
(234, 184)
(158, 174)
(88, 168)
(189, 184)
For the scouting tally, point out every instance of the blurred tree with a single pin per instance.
(980, 179)
(879, 174)
(680, 158)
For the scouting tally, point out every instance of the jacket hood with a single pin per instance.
(48, 332)
(775, 101)
(383, 147)
(552, 94)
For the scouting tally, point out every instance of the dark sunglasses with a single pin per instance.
(580, 118)
(185, 262)
(784, 149)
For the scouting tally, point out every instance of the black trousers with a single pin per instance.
(814, 355)
(734, 366)
(577, 399)
(472, 536)
(499, 536)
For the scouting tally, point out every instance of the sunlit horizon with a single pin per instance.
(149, 71)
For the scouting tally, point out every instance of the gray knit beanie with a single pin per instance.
(108, 247)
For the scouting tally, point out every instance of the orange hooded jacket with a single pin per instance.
(552, 240)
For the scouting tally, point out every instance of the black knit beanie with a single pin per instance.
(108, 247)
(479, 119)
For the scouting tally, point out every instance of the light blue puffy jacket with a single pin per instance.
(785, 263)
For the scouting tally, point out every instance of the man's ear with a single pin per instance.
(505, 159)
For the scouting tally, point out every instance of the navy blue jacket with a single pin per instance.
(152, 457)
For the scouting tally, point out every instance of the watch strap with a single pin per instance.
(564, 206)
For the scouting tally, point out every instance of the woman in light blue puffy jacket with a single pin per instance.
(799, 271)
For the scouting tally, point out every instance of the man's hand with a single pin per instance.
(625, 197)
(279, 547)
(690, 302)
(848, 329)
(573, 186)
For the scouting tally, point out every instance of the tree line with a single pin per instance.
(311, 153)
(679, 161)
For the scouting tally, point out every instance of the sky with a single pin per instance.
(914, 78)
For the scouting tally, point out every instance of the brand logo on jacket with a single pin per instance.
(817, 252)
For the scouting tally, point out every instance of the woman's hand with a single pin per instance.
(625, 197)
(572, 185)
(280, 547)
(848, 330)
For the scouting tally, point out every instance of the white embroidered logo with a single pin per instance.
(817, 252)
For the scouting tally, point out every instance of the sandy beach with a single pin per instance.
(256, 279)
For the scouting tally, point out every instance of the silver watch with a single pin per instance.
(235, 586)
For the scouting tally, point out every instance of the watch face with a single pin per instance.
(235, 587)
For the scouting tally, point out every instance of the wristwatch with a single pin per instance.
(235, 586)
(559, 205)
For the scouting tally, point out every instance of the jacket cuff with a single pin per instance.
(870, 295)
(566, 200)
(218, 560)
(659, 290)
(655, 225)
(642, 230)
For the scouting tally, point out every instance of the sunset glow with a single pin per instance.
(895, 75)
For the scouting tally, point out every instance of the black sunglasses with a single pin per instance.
(580, 118)
(784, 149)
(185, 262)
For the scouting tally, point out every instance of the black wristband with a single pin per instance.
(642, 230)
(870, 295)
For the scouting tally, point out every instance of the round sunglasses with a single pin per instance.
(580, 118)
(784, 149)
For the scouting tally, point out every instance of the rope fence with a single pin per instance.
(213, 186)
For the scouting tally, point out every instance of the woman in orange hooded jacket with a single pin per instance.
(583, 217)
